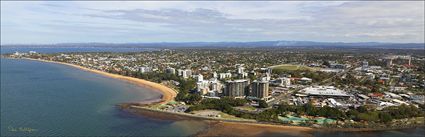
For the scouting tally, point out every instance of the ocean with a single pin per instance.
(12, 49)
(46, 99)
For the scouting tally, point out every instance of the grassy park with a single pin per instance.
(290, 67)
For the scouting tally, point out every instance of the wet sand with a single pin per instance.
(214, 127)
(252, 129)
(223, 128)
(167, 93)
(220, 127)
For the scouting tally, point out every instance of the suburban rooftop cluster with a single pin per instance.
(268, 78)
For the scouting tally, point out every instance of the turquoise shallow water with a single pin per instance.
(56, 100)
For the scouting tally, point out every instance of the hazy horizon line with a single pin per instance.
(177, 42)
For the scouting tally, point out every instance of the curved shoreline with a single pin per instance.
(167, 93)
(160, 114)
(141, 110)
(218, 123)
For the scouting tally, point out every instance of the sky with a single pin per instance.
(49, 22)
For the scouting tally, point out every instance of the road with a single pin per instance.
(327, 83)
(284, 97)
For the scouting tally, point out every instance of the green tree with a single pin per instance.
(361, 109)
(385, 117)
(262, 104)
(193, 98)
(326, 63)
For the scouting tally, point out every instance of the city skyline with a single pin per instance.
(149, 22)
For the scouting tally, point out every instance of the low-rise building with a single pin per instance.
(328, 91)
(145, 69)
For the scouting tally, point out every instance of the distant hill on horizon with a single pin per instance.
(253, 44)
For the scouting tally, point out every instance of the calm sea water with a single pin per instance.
(59, 100)
(72, 49)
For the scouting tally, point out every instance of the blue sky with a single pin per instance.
(41, 22)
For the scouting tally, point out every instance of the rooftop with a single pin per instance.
(324, 91)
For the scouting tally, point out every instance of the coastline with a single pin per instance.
(219, 126)
(245, 124)
(167, 93)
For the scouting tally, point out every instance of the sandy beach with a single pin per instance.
(168, 94)
(216, 127)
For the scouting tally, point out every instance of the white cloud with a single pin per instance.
(131, 21)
